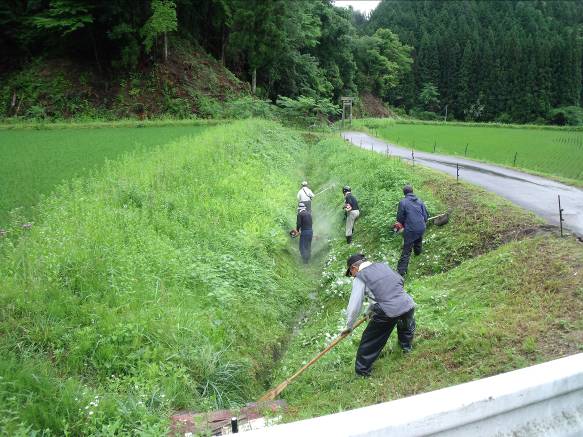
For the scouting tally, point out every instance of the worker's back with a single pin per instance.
(386, 287)
(412, 214)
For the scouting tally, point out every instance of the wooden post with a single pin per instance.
(457, 172)
(466, 151)
(346, 103)
(434, 145)
(254, 81)
(561, 219)
(515, 155)
(413, 156)
(165, 47)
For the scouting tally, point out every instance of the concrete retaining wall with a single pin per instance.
(546, 399)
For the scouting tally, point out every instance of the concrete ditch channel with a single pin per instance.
(534, 193)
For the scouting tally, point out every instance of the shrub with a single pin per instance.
(426, 115)
(566, 115)
(306, 110)
(248, 107)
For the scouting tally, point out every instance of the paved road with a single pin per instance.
(534, 193)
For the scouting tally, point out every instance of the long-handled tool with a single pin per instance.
(274, 392)
(325, 189)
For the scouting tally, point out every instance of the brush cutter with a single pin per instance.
(325, 189)
(439, 220)
(274, 392)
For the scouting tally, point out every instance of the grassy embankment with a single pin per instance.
(149, 288)
(164, 281)
(551, 151)
(495, 291)
(35, 161)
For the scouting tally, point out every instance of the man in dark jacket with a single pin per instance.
(411, 216)
(390, 305)
(351, 210)
(304, 228)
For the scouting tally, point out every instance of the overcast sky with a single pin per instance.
(364, 6)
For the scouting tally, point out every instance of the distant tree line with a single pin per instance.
(488, 60)
(282, 48)
(511, 60)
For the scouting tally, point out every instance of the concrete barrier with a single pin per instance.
(546, 399)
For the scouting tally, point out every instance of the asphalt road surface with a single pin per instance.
(534, 193)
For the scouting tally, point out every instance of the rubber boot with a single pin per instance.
(349, 239)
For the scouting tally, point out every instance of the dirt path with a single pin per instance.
(534, 193)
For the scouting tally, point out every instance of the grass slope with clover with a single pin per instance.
(164, 281)
(553, 151)
(495, 291)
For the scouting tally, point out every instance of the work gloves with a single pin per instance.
(398, 227)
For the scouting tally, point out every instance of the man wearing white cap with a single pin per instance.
(305, 196)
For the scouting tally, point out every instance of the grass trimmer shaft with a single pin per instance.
(274, 392)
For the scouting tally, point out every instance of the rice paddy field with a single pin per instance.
(552, 151)
(34, 161)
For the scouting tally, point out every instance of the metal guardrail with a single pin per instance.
(545, 399)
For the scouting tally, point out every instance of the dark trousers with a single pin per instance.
(308, 205)
(377, 333)
(414, 242)
(306, 245)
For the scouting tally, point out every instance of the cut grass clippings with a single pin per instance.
(516, 306)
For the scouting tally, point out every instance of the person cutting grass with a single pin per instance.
(389, 305)
(351, 210)
(304, 229)
(411, 218)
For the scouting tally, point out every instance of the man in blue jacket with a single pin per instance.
(411, 216)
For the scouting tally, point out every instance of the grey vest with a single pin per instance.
(387, 288)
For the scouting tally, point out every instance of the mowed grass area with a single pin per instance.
(557, 152)
(495, 291)
(33, 162)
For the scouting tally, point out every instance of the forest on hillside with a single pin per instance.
(488, 60)
(518, 61)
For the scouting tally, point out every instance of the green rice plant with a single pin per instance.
(547, 150)
(34, 162)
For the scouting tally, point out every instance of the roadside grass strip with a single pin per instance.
(166, 280)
